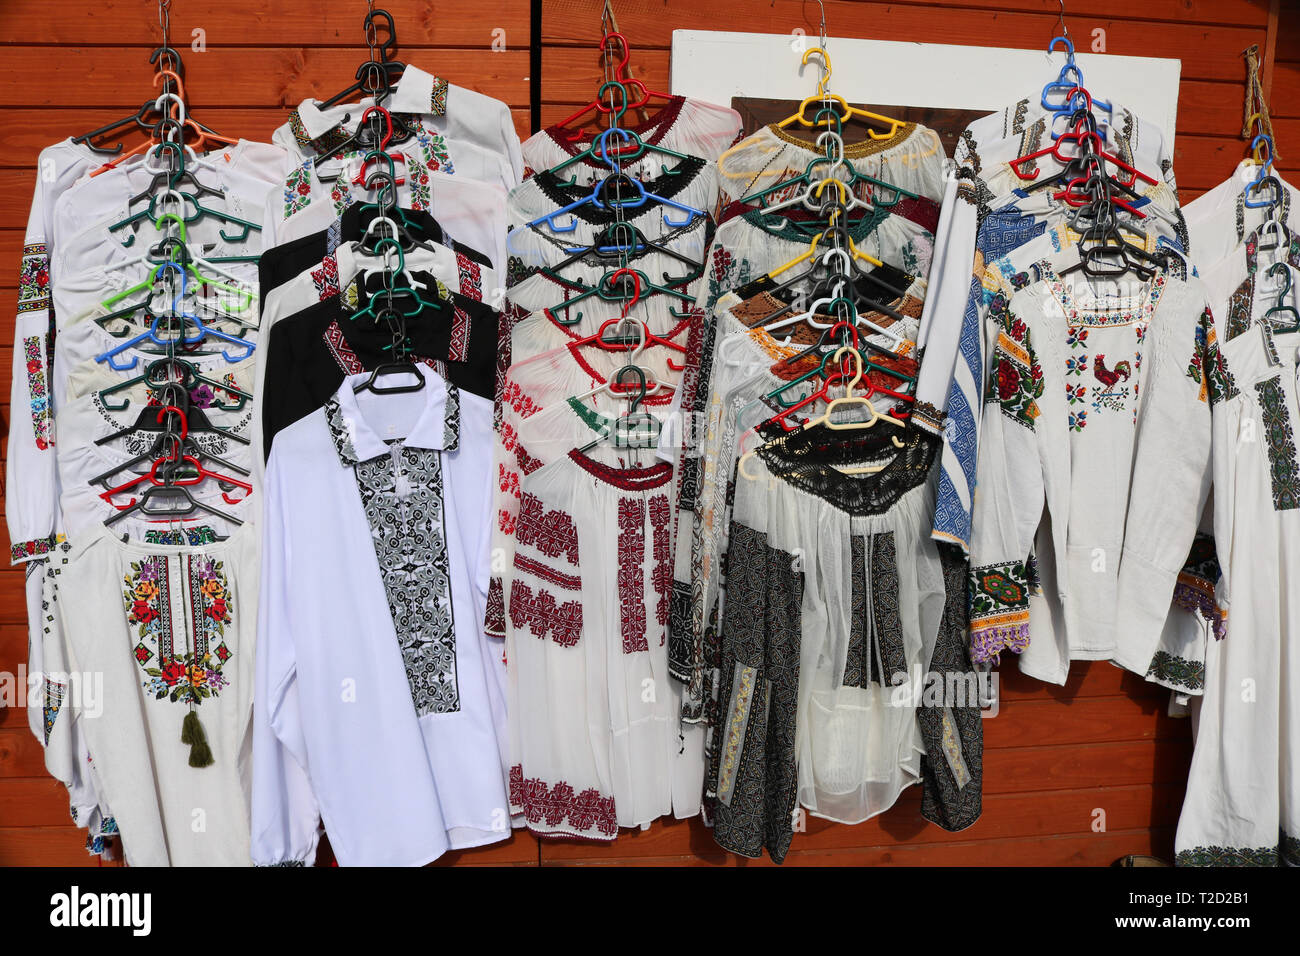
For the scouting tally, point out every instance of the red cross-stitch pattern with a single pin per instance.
(550, 532)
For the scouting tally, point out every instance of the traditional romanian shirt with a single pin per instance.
(379, 699)
(1097, 408)
(1243, 806)
(835, 604)
(169, 628)
(594, 716)
(308, 355)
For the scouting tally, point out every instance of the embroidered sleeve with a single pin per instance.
(31, 508)
(511, 462)
(753, 765)
(1009, 496)
(1016, 382)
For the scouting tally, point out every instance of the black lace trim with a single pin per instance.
(808, 462)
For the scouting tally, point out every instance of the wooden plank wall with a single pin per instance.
(1055, 755)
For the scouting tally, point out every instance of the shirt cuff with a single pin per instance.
(999, 610)
(23, 551)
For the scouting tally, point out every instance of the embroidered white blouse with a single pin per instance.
(1096, 408)
(170, 629)
(379, 698)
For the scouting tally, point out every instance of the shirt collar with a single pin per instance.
(436, 428)
(417, 94)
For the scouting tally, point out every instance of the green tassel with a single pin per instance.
(200, 752)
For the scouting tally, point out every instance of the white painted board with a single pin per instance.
(715, 66)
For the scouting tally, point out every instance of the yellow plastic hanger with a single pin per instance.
(812, 251)
(822, 98)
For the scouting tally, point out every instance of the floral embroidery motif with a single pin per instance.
(1177, 671)
(1283, 467)
(589, 813)
(204, 534)
(34, 278)
(326, 278)
(191, 676)
(401, 495)
(1219, 383)
(38, 396)
(631, 582)
(553, 533)
(434, 149)
(999, 610)
(297, 189)
(543, 615)
(22, 550)
(1017, 381)
(1077, 316)
(417, 178)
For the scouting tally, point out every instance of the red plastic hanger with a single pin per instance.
(622, 80)
(647, 339)
(201, 472)
(363, 173)
(1080, 137)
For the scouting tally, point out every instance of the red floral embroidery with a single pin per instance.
(631, 582)
(326, 278)
(589, 812)
(542, 615)
(1008, 380)
(553, 533)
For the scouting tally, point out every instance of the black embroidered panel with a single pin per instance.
(952, 771)
(1283, 466)
(875, 654)
(753, 766)
(405, 514)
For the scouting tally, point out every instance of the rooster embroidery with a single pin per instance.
(1109, 377)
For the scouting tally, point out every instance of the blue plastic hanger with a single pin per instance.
(151, 333)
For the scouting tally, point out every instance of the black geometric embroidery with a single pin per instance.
(876, 629)
(761, 632)
(410, 539)
(1283, 467)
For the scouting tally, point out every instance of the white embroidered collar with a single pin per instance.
(437, 427)
(417, 93)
